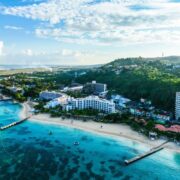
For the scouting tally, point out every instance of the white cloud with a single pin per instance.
(13, 27)
(1, 47)
(28, 52)
(67, 52)
(104, 22)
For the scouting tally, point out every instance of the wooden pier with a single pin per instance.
(14, 123)
(150, 152)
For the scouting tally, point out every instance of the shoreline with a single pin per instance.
(25, 110)
(117, 131)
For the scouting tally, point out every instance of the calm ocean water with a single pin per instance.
(27, 151)
(10, 67)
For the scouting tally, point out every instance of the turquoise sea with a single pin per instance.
(28, 152)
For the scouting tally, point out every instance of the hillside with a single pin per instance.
(153, 78)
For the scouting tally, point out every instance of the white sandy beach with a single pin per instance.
(115, 130)
(25, 111)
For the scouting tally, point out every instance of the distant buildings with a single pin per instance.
(145, 109)
(49, 95)
(177, 111)
(161, 116)
(95, 88)
(91, 102)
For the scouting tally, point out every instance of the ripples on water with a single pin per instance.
(28, 151)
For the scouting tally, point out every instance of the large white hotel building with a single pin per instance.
(178, 106)
(89, 102)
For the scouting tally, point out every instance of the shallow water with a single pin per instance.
(27, 151)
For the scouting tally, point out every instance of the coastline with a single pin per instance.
(117, 131)
(25, 110)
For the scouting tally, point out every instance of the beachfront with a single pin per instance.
(31, 150)
(113, 130)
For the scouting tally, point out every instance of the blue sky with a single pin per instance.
(87, 31)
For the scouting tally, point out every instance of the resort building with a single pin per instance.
(14, 89)
(63, 100)
(120, 101)
(95, 88)
(91, 102)
(177, 106)
(49, 95)
(73, 89)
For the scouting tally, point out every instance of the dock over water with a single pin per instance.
(14, 124)
(150, 152)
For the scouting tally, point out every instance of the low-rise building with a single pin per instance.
(49, 95)
(173, 128)
(15, 89)
(63, 100)
(72, 89)
(144, 108)
(119, 100)
(160, 115)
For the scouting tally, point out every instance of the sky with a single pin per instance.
(80, 32)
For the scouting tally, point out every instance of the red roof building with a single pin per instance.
(174, 128)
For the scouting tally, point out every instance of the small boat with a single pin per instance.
(76, 143)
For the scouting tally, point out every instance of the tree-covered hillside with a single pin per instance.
(138, 78)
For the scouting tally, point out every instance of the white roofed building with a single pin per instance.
(50, 95)
(120, 100)
(63, 100)
(91, 102)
